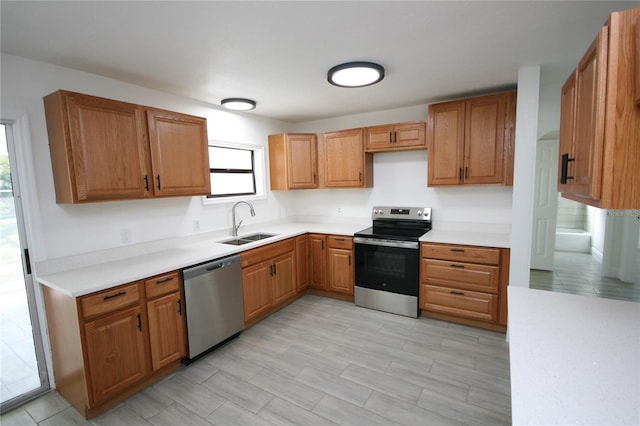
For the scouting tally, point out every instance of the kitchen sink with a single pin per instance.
(257, 237)
(245, 239)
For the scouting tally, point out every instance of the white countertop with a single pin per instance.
(473, 234)
(78, 281)
(84, 274)
(574, 359)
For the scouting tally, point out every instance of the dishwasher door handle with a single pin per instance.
(210, 266)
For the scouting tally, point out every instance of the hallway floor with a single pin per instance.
(580, 273)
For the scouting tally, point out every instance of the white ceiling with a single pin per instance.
(278, 53)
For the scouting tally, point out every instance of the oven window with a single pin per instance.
(382, 263)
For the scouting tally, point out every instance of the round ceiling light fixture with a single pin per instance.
(238, 104)
(355, 74)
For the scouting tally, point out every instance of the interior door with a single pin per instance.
(545, 205)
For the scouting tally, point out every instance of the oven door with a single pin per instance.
(387, 265)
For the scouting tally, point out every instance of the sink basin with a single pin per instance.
(245, 239)
(256, 237)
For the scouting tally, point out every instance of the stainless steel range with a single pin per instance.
(387, 259)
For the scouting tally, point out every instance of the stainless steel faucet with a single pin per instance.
(233, 216)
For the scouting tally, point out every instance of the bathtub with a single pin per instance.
(575, 240)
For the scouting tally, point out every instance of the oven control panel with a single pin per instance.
(407, 213)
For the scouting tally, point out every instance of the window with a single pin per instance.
(236, 171)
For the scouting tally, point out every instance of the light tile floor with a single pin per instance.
(18, 366)
(579, 273)
(321, 361)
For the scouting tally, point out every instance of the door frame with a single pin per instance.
(23, 176)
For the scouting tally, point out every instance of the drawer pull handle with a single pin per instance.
(113, 296)
(457, 266)
(457, 250)
(339, 239)
(164, 280)
(458, 293)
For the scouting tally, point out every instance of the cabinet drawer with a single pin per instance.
(461, 303)
(260, 254)
(467, 276)
(110, 300)
(340, 242)
(489, 256)
(162, 284)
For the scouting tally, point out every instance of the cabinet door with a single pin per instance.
(318, 261)
(179, 154)
(409, 135)
(446, 143)
(344, 163)
(484, 139)
(567, 117)
(166, 330)
(116, 353)
(589, 119)
(108, 148)
(256, 289)
(340, 270)
(302, 161)
(303, 262)
(379, 138)
(284, 277)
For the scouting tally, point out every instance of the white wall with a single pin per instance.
(524, 175)
(62, 230)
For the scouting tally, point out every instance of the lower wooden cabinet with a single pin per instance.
(116, 356)
(268, 278)
(303, 268)
(465, 284)
(318, 261)
(340, 264)
(166, 330)
(166, 321)
(110, 344)
(331, 264)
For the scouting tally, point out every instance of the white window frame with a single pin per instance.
(259, 165)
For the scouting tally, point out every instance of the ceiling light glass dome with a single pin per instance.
(355, 74)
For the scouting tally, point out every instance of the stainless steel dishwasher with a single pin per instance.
(213, 299)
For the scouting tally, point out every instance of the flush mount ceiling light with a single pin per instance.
(355, 74)
(238, 104)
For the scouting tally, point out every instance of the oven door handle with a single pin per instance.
(386, 243)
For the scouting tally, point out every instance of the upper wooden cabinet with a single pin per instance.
(396, 137)
(293, 162)
(470, 141)
(179, 153)
(103, 150)
(600, 120)
(343, 161)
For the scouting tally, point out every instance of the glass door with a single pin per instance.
(23, 373)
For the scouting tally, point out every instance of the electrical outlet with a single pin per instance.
(125, 235)
(339, 210)
(196, 225)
